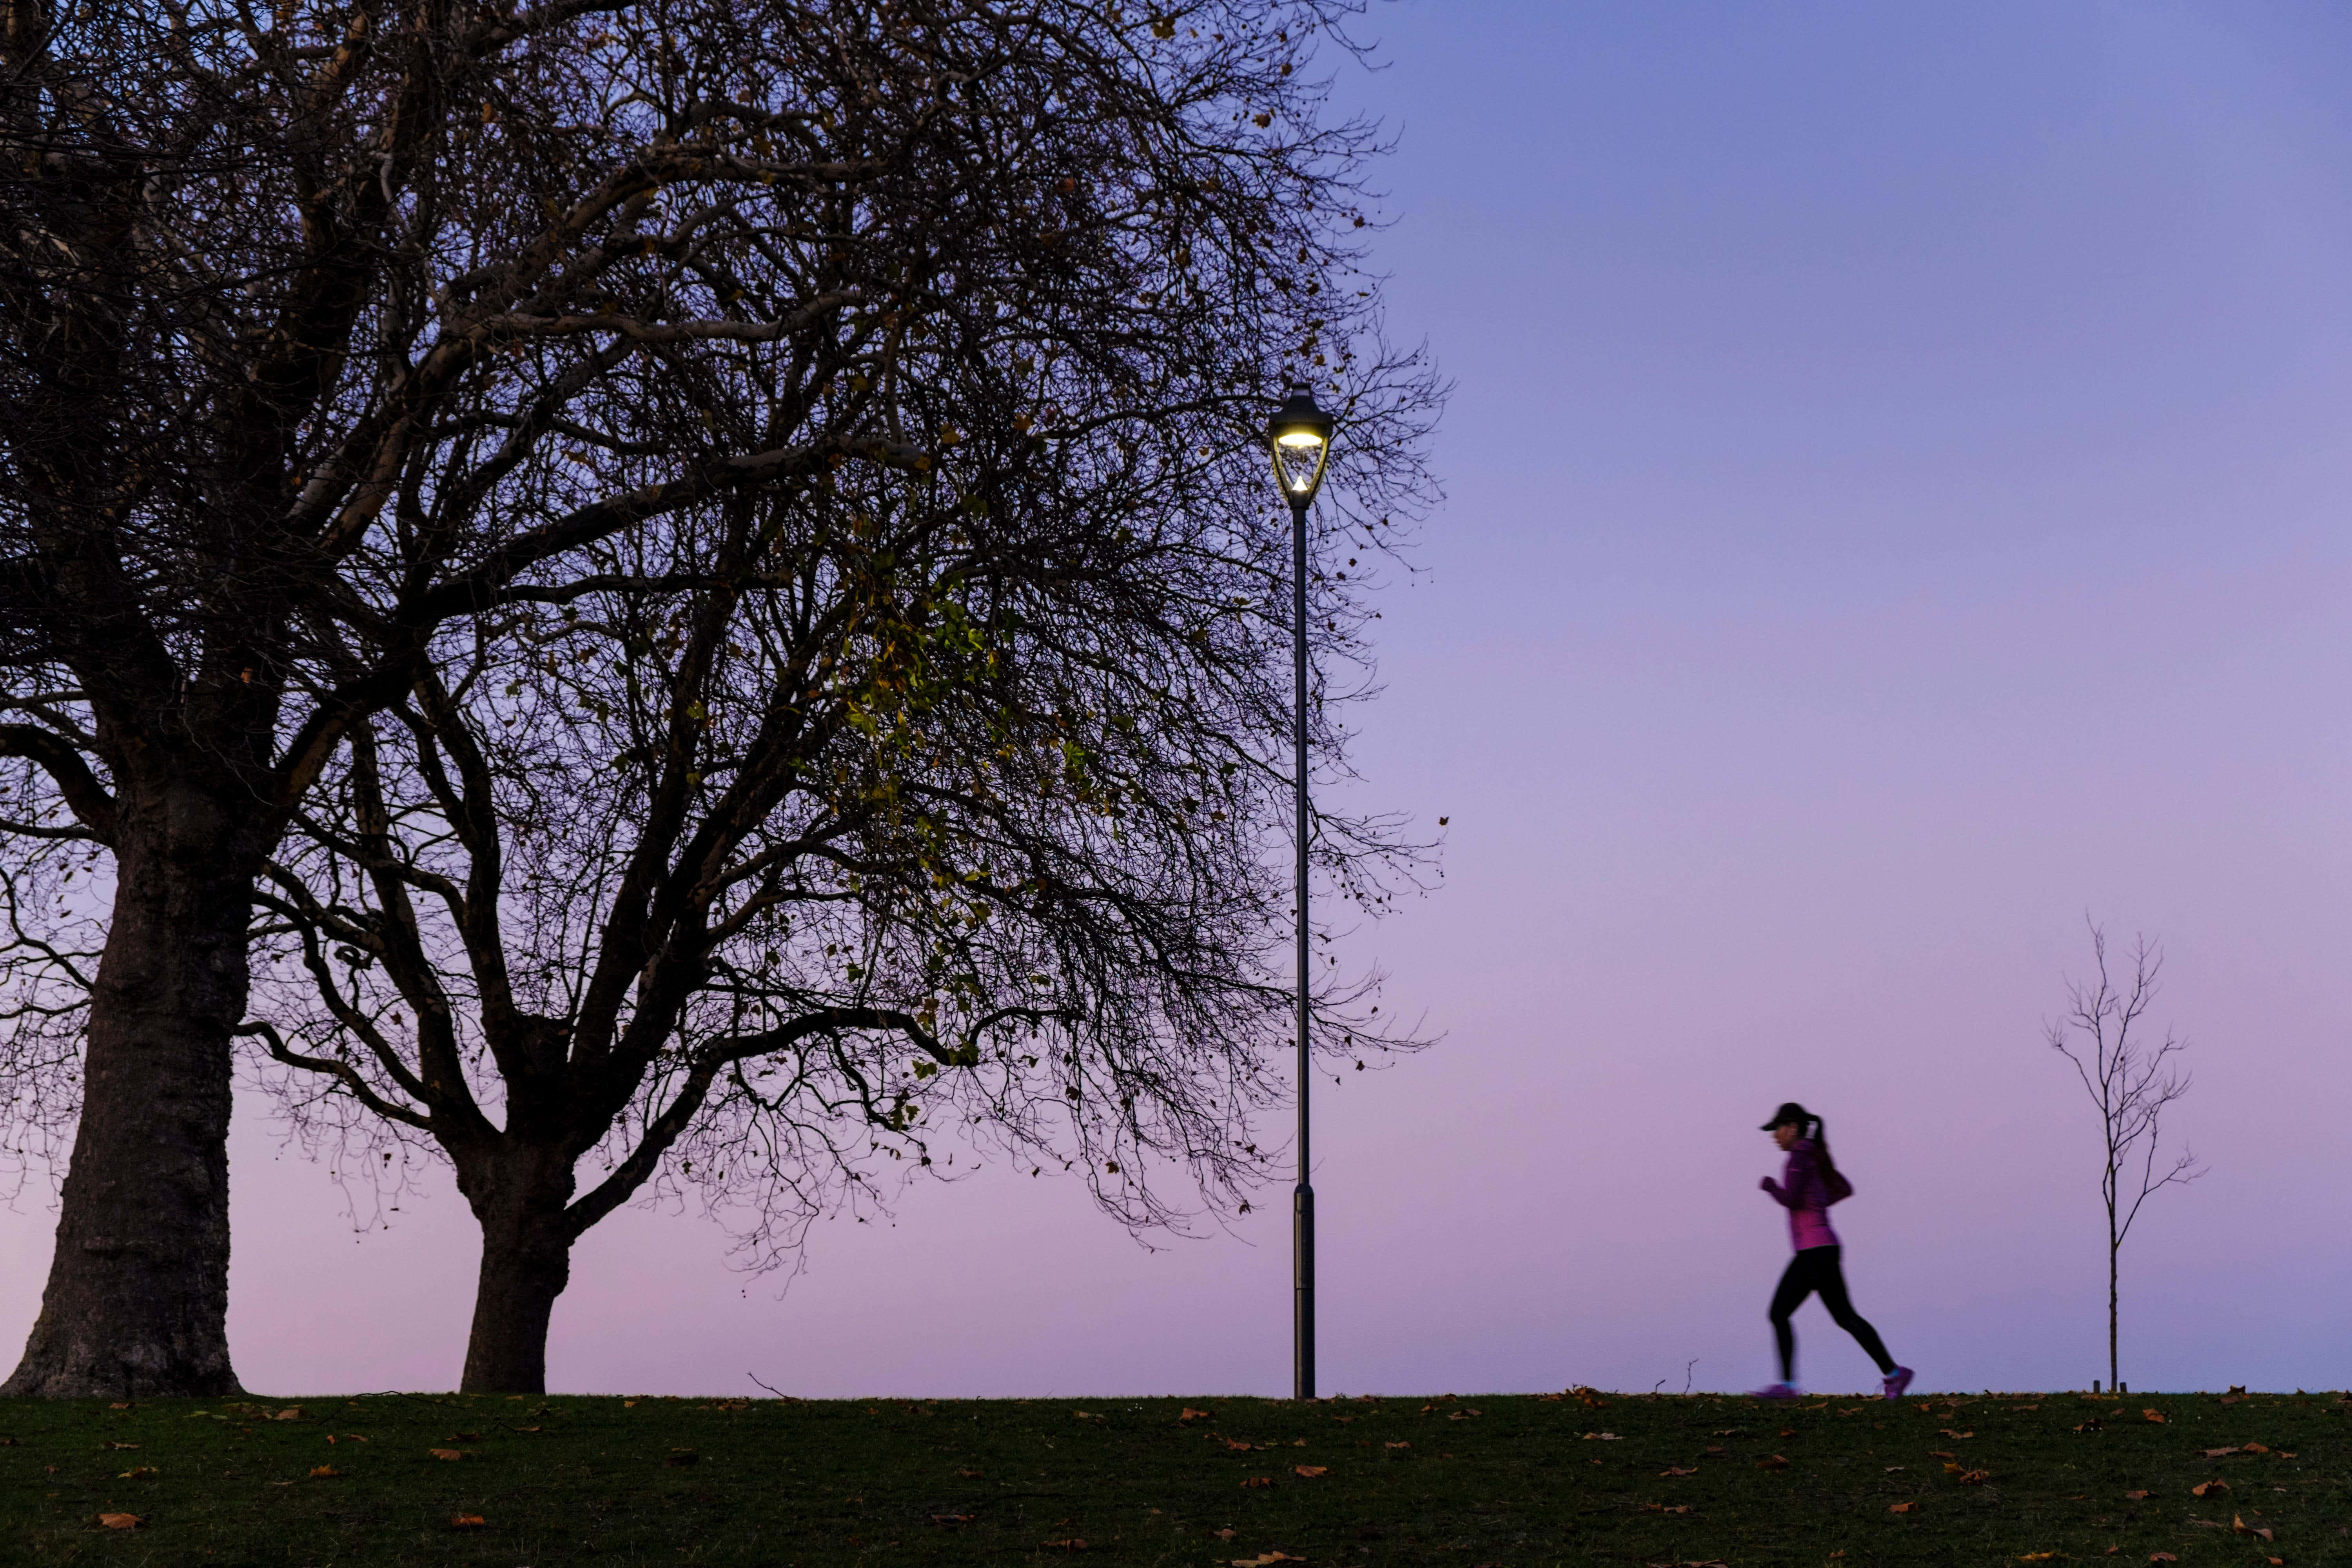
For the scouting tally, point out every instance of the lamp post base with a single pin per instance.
(1302, 1283)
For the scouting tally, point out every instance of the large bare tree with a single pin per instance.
(356, 354)
(2130, 1083)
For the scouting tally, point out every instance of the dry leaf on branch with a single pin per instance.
(119, 1520)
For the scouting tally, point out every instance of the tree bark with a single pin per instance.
(137, 1298)
(526, 1263)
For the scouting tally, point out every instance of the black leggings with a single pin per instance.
(1816, 1268)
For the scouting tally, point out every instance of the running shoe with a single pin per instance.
(1898, 1381)
(1781, 1391)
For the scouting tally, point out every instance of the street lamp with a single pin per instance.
(1300, 435)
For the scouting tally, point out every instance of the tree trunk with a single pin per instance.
(526, 1264)
(137, 1301)
(2113, 1249)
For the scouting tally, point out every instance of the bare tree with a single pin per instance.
(2130, 1083)
(349, 348)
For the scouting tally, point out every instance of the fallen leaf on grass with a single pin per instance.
(2136, 1496)
(1955, 1436)
(1396, 1444)
(1084, 1415)
(1941, 1454)
(324, 1472)
(1268, 1560)
(2240, 1527)
(2217, 1453)
(2155, 1415)
(2093, 1425)
(1891, 1468)
(465, 1436)
(2254, 1448)
(1902, 1507)
(137, 1473)
(1678, 1470)
(1601, 1436)
(117, 1407)
(950, 1518)
(1257, 1482)
(466, 1522)
(1191, 1415)
(1661, 1507)
(293, 1414)
(1072, 1544)
(445, 1453)
(1712, 1448)
(2037, 1557)
(1225, 1534)
(1310, 1471)
(2162, 1557)
(1968, 1478)
(122, 1445)
(1787, 1431)
(969, 1475)
(119, 1520)
(1242, 1448)
(1772, 1462)
(2202, 1488)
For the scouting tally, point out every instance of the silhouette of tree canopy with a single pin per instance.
(733, 536)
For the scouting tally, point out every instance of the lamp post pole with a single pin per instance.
(1302, 1197)
(1300, 436)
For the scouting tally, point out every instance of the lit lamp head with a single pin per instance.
(1300, 435)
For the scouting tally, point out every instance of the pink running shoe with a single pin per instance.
(1780, 1393)
(1898, 1381)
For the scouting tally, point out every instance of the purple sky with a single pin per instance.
(1897, 505)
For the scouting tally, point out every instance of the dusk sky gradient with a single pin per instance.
(1896, 505)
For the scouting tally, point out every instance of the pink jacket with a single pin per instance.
(1800, 1192)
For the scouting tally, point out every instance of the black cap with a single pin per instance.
(1789, 1114)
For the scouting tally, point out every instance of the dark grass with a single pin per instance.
(1410, 1481)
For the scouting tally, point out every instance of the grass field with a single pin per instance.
(1570, 1478)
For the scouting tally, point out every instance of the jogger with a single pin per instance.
(1809, 1185)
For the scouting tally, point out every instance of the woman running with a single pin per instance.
(1806, 1189)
